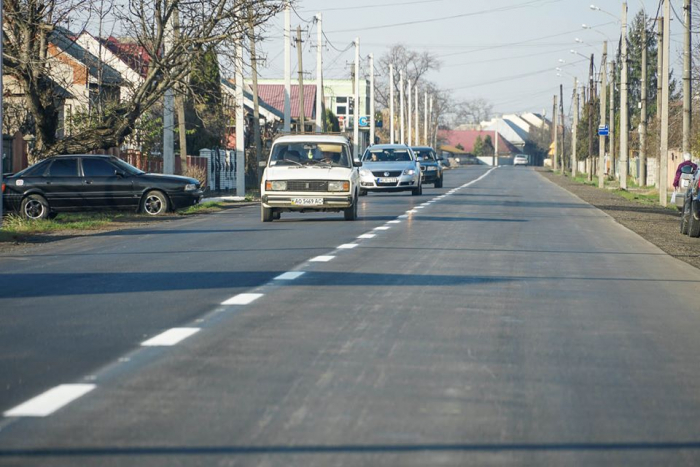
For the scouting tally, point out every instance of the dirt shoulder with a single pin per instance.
(655, 224)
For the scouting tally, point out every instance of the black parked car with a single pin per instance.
(94, 182)
(430, 165)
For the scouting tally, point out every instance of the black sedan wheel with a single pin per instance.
(155, 203)
(693, 223)
(35, 207)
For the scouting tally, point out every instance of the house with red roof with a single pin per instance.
(466, 139)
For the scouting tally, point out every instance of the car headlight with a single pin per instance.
(276, 185)
(366, 173)
(191, 187)
(409, 172)
(338, 186)
(431, 168)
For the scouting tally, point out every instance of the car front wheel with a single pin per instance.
(693, 223)
(155, 203)
(265, 214)
(35, 207)
(351, 212)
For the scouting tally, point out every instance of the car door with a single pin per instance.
(62, 184)
(104, 185)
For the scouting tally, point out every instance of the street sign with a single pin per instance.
(603, 130)
(364, 121)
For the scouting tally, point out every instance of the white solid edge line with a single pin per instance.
(367, 236)
(321, 259)
(170, 337)
(348, 246)
(242, 299)
(50, 401)
(289, 276)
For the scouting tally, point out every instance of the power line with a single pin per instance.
(445, 18)
(361, 7)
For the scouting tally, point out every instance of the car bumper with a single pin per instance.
(183, 200)
(430, 176)
(11, 202)
(405, 182)
(290, 201)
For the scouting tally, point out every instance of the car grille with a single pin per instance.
(394, 173)
(307, 185)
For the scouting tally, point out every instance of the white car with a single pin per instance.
(520, 159)
(390, 167)
(310, 173)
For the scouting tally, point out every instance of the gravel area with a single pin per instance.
(655, 224)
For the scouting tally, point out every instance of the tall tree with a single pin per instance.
(204, 110)
(30, 27)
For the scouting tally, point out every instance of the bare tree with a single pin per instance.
(33, 27)
(472, 111)
(415, 66)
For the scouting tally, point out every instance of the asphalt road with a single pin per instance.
(506, 323)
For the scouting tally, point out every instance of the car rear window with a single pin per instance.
(36, 170)
(97, 168)
(64, 168)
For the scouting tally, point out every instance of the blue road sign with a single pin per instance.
(603, 130)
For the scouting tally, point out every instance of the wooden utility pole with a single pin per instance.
(180, 105)
(611, 119)
(555, 131)
(590, 123)
(287, 67)
(663, 182)
(563, 128)
(319, 75)
(301, 126)
(256, 103)
(687, 84)
(574, 139)
(643, 121)
(601, 139)
(624, 110)
(659, 91)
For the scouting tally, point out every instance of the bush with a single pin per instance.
(196, 172)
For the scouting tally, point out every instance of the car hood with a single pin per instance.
(388, 166)
(168, 178)
(307, 173)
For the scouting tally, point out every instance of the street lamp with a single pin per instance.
(597, 8)
(591, 28)
(578, 53)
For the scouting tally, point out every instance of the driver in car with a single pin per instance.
(686, 161)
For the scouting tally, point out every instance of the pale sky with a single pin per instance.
(505, 51)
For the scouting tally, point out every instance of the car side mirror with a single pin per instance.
(357, 163)
(119, 173)
(262, 164)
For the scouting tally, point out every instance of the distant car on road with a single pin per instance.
(390, 167)
(87, 182)
(521, 159)
(429, 165)
(307, 173)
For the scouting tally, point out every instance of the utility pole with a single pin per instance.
(240, 122)
(611, 119)
(301, 127)
(425, 119)
(287, 68)
(643, 121)
(687, 86)
(417, 137)
(663, 176)
(371, 100)
(392, 135)
(409, 114)
(555, 131)
(319, 74)
(574, 138)
(590, 122)
(432, 138)
(168, 112)
(401, 115)
(563, 127)
(601, 139)
(659, 90)
(180, 105)
(624, 111)
(2, 92)
(495, 147)
(356, 113)
(256, 102)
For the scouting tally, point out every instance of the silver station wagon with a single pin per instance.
(390, 167)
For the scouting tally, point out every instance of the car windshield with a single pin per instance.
(387, 155)
(424, 155)
(126, 167)
(310, 154)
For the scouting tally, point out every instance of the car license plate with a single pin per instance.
(307, 201)
(388, 180)
(685, 183)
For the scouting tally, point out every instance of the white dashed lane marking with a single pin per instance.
(348, 246)
(289, 276)
(382, 228)
(242, 299)
(321, 259)
(394, 222)
(47, 403)
(367, 236)
(170, 337)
